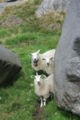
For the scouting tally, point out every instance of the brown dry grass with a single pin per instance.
(52, 21)
(2, 1)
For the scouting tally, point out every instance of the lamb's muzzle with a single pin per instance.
(35, 61)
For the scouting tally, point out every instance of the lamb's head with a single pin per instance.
(38, 79)
(48, 60)
(35, 58)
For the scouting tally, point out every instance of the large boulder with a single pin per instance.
(10, 65)
(67, 61)
(52, 5)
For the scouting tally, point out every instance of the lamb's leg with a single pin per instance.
(44, 101)
(41, 102)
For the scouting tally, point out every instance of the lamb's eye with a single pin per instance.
(43, 59)
(51, 59)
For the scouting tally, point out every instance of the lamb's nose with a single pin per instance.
(35, 61)
(47, 64)
(38, 82)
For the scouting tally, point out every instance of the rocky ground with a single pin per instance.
(5, 4)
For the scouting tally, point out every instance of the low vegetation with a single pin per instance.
(2, 1)
(18, 101)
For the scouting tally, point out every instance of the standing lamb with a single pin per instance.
(43, 87)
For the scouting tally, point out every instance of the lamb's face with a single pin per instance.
(38, 79)
(48, 60)
(35, 57)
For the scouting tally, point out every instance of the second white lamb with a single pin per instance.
(48, 58)
(43, 87)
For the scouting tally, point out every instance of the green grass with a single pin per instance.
(4, 33)
(17, 102)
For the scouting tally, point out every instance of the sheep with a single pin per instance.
(43, 87)
(49, 53)
(49, 61)
(37, 63)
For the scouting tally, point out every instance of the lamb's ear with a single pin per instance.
(38, 51)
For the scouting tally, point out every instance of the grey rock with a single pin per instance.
(67, 61)
(10, 65)
(52, 5)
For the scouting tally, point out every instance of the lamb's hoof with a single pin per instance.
(44, 104)
(41, 105)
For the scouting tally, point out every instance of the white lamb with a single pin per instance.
(43, 87)
(37, 62)
(48, 57)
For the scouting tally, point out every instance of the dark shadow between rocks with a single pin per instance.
(9, 81)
